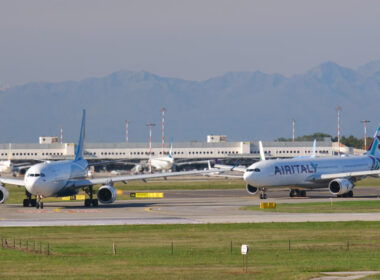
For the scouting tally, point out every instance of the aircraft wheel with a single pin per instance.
(292, 193)
(25, 203)
(38, 206)
(350, 194)
(87, 202)
(42, 205)
(94, 202)
(33, 202)
(303, 193)
(264, 196)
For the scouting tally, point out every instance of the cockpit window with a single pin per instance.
(254, 170)
(36, 175)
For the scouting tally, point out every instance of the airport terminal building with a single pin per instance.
(216, 147)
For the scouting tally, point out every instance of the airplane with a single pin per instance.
(68, 177)
(163, 163)
(337, 174)
(8, 167)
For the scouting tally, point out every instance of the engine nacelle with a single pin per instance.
(251, 189)
(107, 194)
(340, 186)
(4, 194)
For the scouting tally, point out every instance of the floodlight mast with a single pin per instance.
(150, 125)
(365, 133)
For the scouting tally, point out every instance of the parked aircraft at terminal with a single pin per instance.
(337, 173)
(65, 178)
(161, 163)
(8, 166)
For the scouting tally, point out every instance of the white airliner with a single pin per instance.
(163, 163)
(338, 174)
(66, 178)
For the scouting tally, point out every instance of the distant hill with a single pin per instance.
(243, 105)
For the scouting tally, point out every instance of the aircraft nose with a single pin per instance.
(247, 175)
(32, 185)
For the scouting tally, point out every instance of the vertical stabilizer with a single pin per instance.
(374, 148)
(79, 151)
(171, 150)
(314, 154)
(262, 154)
(10, 152)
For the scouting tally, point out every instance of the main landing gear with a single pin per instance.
(90, 202)
(263, 195)
(297, 193)
(29, 201)
(349, 194)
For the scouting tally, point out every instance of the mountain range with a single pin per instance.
(242, 105)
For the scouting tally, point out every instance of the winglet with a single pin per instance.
(79, 151)
(262, 154)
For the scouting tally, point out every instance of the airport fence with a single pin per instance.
(27, 245)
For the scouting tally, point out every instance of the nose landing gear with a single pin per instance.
(263, 195)
(40, 204)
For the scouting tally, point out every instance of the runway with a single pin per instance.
(181, 207)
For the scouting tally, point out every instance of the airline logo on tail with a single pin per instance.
(374, 148)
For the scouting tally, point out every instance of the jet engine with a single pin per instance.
(4, 194)
(107, 194)
(251, 189)
(340, 186)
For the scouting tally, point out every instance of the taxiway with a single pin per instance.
(182, 207)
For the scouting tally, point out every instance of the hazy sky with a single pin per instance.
(71, 40)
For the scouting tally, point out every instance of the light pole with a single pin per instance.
(150, 125)
(163, 110)
(338, 109)
(126, 131)
(365, 133)
(293, 128)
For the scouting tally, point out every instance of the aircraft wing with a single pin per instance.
(230, 167)
(111, 162)
(12, 181)
(347, 174)
(126, 178)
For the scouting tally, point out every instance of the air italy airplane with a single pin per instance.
(338, 174)
(66, 178)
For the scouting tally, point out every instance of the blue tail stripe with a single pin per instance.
(79, 151)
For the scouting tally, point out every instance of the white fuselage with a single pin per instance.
(6, 166)
(161, 163)
(300, 172)
(53, 178)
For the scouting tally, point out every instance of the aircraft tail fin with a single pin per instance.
(374, 148)
(10, 152)
(79, 151)
(262, 154)
(314, 154)
(171, 150)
